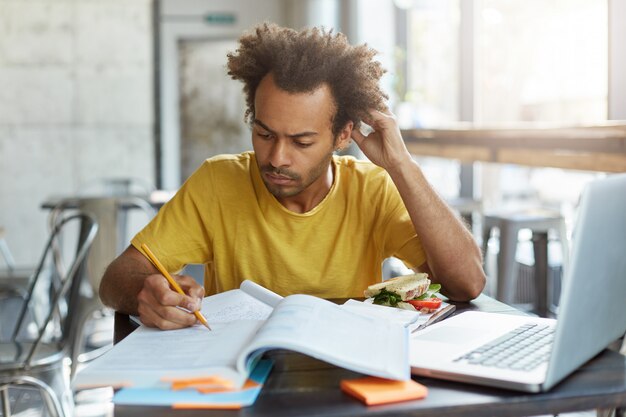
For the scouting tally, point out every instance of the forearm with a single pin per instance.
(452, 255)
(124, 279)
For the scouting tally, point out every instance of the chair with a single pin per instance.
(4, 250)
(13, 280)
(109, 243)
(540, 222)
(34, 356)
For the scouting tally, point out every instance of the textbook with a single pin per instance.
(246, 323)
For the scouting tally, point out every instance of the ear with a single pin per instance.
(344, 137)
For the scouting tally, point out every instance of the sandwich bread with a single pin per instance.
(406, 286)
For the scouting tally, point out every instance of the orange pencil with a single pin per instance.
(169, 278)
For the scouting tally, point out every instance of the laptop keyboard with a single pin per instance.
(522, 349)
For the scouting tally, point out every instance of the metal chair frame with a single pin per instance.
(110, 212)
(39, 362)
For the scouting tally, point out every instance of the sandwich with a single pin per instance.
(409, 292)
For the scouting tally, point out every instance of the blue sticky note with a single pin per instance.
(167, 397)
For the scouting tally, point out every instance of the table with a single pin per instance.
(156, 199)
(149, 203)
(303, 386)
(594, 148)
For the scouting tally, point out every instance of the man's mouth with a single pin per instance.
(278, 179)
(279, 176)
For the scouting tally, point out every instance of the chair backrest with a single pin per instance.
(67, 285)
(111, 213)
(5, 252)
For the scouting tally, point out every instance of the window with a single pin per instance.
(535, 61)
(541, 61)
(427, 84)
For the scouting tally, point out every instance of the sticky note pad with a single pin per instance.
(373, 391)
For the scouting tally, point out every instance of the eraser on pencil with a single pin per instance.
(374, 391)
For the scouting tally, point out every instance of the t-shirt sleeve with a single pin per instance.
(179, 234)
(399, 238)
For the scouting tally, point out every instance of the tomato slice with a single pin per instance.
(429, 303)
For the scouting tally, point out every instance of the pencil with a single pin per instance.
(169, 278)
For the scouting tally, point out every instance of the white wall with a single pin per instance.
(76, 103)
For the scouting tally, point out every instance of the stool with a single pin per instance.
(509, 224)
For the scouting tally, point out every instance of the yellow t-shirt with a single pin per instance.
(224, 217)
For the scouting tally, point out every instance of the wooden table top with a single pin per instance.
(595, 148)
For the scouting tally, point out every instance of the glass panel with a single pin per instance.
(428, 69)
(542, 60)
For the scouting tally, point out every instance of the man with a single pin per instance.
(290, 215)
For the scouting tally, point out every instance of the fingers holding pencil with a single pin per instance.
(191, 299)
(158, 305)
(193, 293)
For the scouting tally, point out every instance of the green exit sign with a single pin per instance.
(220, 18)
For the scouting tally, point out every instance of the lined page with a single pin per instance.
(328, 332)
(147, 355)
(234, 305)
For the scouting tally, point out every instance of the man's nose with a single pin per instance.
(279, 154)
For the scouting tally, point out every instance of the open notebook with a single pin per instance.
(246, 322)
(534, 354)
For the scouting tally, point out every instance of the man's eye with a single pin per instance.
(303, 144)
(264, 135)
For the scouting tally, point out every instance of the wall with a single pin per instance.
(211, 113)
(189, 46)
(76, 104)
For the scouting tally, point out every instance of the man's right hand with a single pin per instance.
(160, 306)
(132, 285)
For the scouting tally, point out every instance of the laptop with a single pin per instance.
(533, 354)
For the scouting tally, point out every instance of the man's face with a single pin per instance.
(292, 139)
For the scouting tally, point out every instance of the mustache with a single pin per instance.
(269, 169)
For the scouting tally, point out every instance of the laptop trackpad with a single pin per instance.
(450, 334)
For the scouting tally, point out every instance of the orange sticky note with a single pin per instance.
(249, 384)
(185, 406)
(373, 391)
(212, 381)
